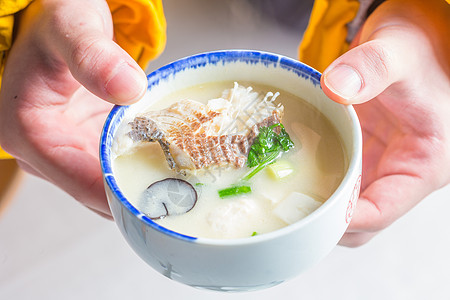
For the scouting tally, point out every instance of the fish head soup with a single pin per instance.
(228, 160)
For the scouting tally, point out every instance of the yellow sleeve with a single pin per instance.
(7, 11)
(4, 155)
(139, 28)
(10, 7)
(324, 39)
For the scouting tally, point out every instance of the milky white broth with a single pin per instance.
(318, 160)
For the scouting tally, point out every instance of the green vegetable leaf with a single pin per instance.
(284, 140)
(267, 147)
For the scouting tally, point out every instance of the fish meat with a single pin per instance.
(220, 133)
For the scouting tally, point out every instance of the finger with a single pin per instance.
(356, 239)
(387, 199)
(91, 55)
(29, 169)
(98, 209)
(98, 206)
(76, 172)
(59, 159)
(106, 216)
(362, 73)
(382, 58)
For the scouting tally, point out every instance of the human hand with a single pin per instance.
(62, 64)
(398, 75)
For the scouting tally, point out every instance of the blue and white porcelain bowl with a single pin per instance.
(248, 263)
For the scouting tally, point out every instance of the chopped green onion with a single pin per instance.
(254, 233)
(280, 169)
(234, 190)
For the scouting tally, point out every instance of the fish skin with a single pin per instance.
(183, 132)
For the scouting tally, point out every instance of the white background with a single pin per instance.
(53, 248)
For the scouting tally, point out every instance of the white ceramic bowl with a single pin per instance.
(249, 263)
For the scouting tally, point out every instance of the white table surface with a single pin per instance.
(53, 248)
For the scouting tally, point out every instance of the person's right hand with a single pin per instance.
(397, 74)
(63, 62)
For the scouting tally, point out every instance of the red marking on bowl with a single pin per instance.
(352, 203)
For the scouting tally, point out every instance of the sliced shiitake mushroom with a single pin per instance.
(167, 197)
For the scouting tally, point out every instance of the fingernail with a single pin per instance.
(127, 85)
(344, 81)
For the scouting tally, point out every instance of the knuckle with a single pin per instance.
(76, 38)
(377, 59)
(86, 53)
(379, 221)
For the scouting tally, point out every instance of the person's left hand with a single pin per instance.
(397, 74)
(62, 66)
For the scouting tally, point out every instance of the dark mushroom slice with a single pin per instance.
(168, 197)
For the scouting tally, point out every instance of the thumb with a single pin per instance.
(364, 72)
(391, 45)
(106, 70)
(84, 41)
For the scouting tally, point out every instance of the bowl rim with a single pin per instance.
(197, 60)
